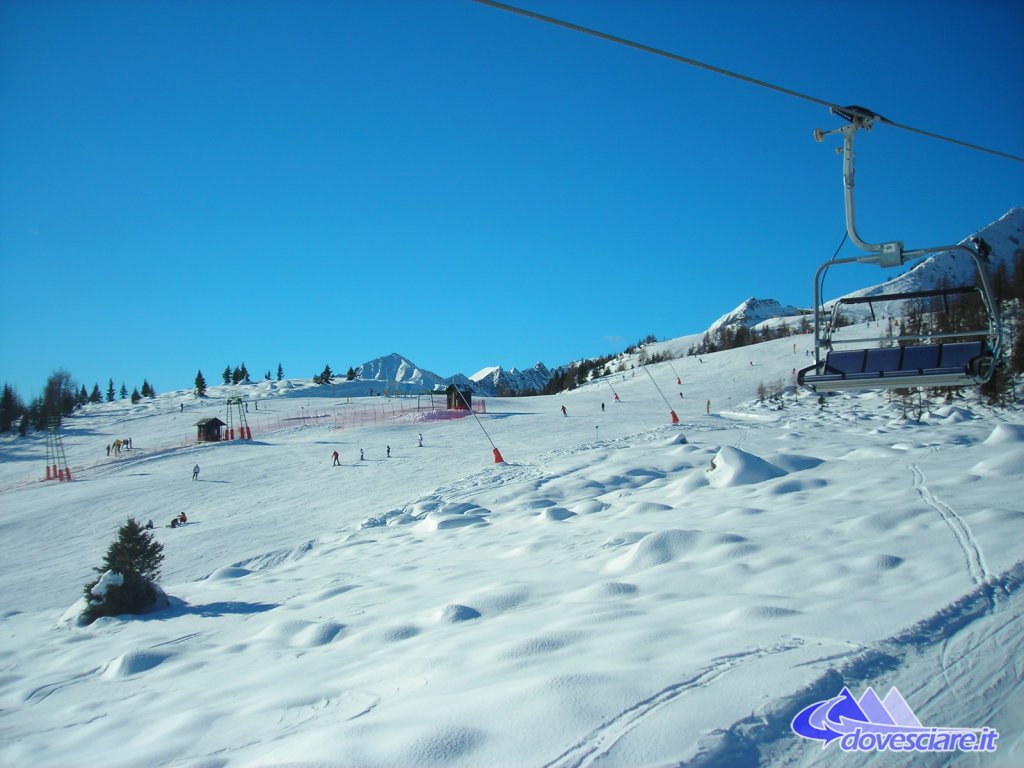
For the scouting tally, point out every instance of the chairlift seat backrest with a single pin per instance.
(882, 360)
(845, 361)
(961, 355)
(919, 357)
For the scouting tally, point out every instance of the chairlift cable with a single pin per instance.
(728, 73)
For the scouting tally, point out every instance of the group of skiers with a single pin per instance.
(362, 454)
(118, 444)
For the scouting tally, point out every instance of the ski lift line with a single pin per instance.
(845, 112)
(478, 422)
(675, 418)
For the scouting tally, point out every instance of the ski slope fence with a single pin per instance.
(353, 415)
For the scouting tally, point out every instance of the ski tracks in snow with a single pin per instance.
(973, 555)
(600, 741)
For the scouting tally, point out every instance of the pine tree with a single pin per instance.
(350, 376)
(325, 376)
(124, 391)
(200, 385)
(280, 372)
(110, 391)
(243, 373)
(96, 396)
(236, 375)
(147, 389)
(136, 396)
(227, 375)
(83, 396)
(11, 408)
(136, 557)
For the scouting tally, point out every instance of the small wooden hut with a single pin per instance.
(208, 430)
(459, 399)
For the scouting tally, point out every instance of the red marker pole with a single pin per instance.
(675, 419)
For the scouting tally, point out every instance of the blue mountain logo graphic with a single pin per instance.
(871, 724)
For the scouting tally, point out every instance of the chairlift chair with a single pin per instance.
(948, 359)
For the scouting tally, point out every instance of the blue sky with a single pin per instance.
(191, 185)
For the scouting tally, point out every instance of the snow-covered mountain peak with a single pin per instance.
(753, 311)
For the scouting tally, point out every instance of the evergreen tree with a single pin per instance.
(280, 372)
(243, 373)
(351, 374)
(111, 395)
(236, 375)
(96, 396)
(200, 385)
(227, 375)
(136, 558)
(83, 396)
(124, 391)
(325, 376)
(1017, 349)
(136, 396)
(147, 389)
(11, 408)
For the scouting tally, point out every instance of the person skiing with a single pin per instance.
(389, 451)
(195, 472)
(335, 457)
(421, 440)
(564, 412)
(361, 457)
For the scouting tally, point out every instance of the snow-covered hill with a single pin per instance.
(751, 313)
(622, 590)
(1004, 236)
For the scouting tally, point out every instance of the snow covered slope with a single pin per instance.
(621, 591)
(1005, 237)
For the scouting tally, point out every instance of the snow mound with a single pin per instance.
(731, 467)
(950, 414)
(228, 572)
(657, 549)
(134, 663)
(453, 613)
(1008, 462)
(556, 514)
(300, 634)
(793, 462)
(1004, 434)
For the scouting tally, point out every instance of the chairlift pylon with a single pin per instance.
(957, 358)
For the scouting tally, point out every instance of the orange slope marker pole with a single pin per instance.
(675, 419)
(497, 454)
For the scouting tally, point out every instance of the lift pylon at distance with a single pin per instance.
(56, 462)
(963, 356)
(237, 421)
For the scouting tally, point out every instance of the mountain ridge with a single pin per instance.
(1004, 236)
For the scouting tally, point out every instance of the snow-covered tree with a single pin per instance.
(127, 577)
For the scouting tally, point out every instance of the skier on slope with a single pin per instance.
(564, 412)
(335, 457)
